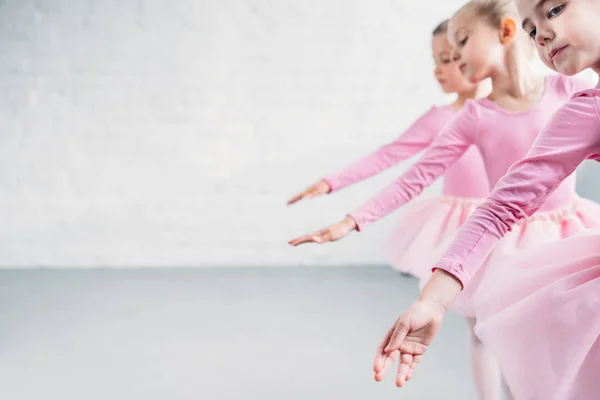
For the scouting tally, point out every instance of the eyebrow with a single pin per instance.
(539, 5)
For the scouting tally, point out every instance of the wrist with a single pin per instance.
(327, 185)
(433, 304)
(349, 223)
(441, 289)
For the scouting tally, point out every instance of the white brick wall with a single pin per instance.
(155, 132)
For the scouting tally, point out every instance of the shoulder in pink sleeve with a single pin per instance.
(467, 121)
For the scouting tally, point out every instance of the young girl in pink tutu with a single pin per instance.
(429, 221)
(539, 312)
(489, 44)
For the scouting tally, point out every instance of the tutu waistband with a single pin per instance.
(570, 210)
(475, 201)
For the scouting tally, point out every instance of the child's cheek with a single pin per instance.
(572, 31)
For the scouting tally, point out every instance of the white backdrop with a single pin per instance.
(170, 133)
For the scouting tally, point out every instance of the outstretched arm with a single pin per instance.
(445, 150)
(452, 143)
(415, 139)
(571, 136)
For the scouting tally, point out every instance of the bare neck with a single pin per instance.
(516, 80)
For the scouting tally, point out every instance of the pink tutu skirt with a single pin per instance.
(421, 229)
(539, 313)
(541, 228)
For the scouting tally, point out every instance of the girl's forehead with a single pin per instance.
(461, 19)
(440, 43)
(527, 7)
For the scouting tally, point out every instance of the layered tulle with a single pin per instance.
(541, 228)
(421, 229)
(539, 313)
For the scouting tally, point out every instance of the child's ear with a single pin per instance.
(508, 30)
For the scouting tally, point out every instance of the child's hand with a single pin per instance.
(315, 190)
(329, 234)
(408, 340)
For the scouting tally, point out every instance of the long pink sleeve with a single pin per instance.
(451, 144)
(572, 136)
(414, 140)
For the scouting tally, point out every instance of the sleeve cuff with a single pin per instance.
(331, 184)
(356, 221)
(455, 270)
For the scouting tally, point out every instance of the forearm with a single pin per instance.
(374, 163)
(425, 172)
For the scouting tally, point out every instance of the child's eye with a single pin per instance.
(464, 41)
(446, 61)
(532, 33)
(555, 11)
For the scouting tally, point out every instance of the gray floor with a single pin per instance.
(213, 334)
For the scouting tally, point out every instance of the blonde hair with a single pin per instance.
(441, 28)
(494, 11)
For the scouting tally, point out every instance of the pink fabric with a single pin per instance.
(422, 230)
(466, 178)
(426, 223)
(542, 228)
(538, 310)
(541, 319)
(502, 137)
(543, 178)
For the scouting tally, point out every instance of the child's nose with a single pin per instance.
(543, 35)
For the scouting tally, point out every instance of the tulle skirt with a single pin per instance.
(422, 229)
(539, 313)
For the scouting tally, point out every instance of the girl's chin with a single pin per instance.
(568, 69)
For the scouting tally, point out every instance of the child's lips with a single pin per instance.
(556, 52)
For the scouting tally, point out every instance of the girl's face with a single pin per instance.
(477, 46)
(566, 33)
(446, 71)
